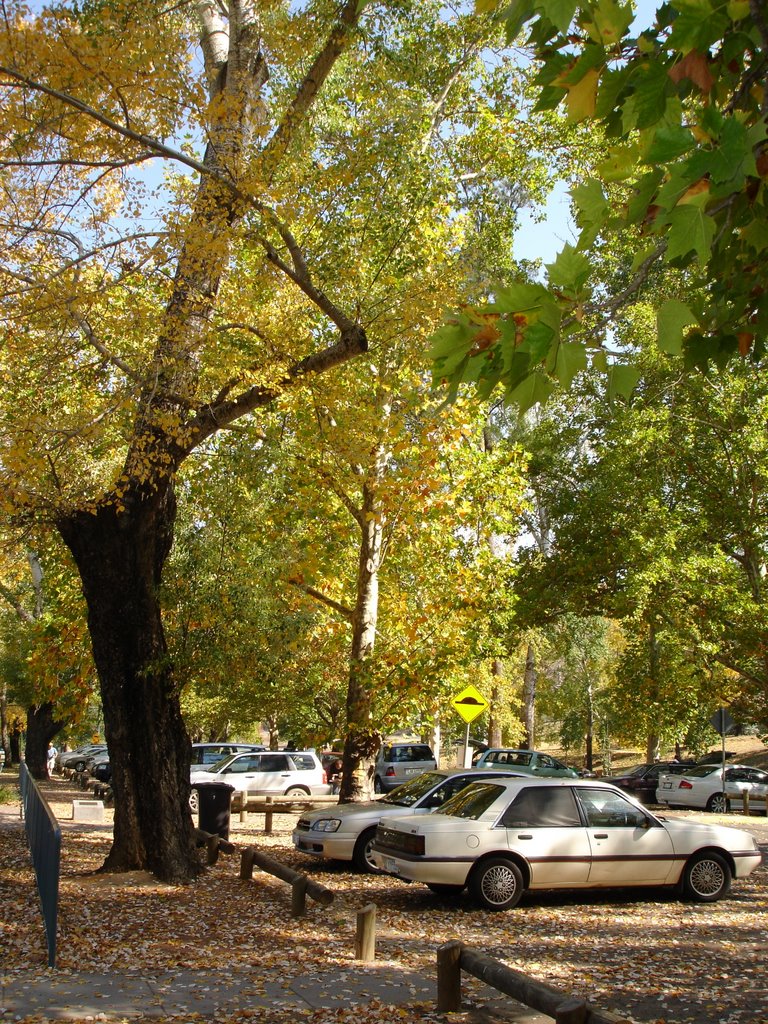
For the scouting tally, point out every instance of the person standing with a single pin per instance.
(52, 753)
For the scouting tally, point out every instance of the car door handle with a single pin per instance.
(601, 835)
(524, 836)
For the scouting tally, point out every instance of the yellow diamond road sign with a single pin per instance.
(470, 703)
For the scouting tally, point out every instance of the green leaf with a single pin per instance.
(646, 105)
(690, 230)
(622, 381)
(535, 389)
(672, 319)
(520, 297)
(669, 142)
(559, 12)
(570, 270)
(571, 359)
(449, 346)
(611, 21)
(620, 165)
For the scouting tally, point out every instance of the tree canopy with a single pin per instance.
(681, 105)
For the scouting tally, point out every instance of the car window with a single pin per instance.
(304, 762)
(272, 763)
(605, 809)
(239, 765)
(472, 801)
(542, 807)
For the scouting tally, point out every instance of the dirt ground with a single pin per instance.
(643, 954)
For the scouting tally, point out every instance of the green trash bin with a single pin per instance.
(215, 805)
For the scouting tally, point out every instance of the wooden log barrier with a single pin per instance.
(454, 957)
(301, 885)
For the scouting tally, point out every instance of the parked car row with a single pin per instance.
(346, 831)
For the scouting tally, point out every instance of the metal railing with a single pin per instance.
(44, 838)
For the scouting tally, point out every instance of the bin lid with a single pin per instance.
(213, 785)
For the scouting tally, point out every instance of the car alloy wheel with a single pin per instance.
(497, 883)
(718, 803)
(194, 801)
(362, 857)
(296, 791)
(707, 877)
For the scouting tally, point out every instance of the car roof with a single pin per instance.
(527, 781)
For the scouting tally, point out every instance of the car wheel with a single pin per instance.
(440, 889)
(719, 803)
(297, 791)
(707, 877)
(194, 801)
(362, 857)
(497, 884)
(377, 786)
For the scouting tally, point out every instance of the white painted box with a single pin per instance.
(88, 810)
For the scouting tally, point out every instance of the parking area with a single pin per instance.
(644, 954)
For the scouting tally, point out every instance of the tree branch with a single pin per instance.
(319, 596)
(307, 91)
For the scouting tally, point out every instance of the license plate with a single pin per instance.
(411, 771)
(666, 785)
(390, 865)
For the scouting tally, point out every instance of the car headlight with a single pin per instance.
(326, 825)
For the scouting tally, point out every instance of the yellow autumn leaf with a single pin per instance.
(582, 97)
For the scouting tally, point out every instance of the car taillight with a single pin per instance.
(685, 784)
(390, 771)
(325, 777)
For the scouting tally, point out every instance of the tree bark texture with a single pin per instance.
(41, 728)
(494, 723)
(362, 742)
(529, 697)
(120, 556)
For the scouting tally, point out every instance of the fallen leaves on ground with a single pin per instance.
(646, 955)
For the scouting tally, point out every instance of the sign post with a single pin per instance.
(469, 704)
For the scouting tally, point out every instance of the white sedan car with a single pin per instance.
(702, 786)
(501, 838)
(346, 831)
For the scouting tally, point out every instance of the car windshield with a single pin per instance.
(639, 769)
(473, 801)
(702, 770)
(413, 790)
(220, 765)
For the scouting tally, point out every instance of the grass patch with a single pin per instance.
(8, 795)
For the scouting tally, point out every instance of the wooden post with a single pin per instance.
(572, 1011)
(745, 801)
(268, 818)
(246, 862)
(243, 811)
(449, 977)
(212, 849)
(365, 935)
(299, 896)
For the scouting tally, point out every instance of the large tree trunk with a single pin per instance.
(120, 556)
(41, 728)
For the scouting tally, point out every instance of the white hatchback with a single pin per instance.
(501, 838)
